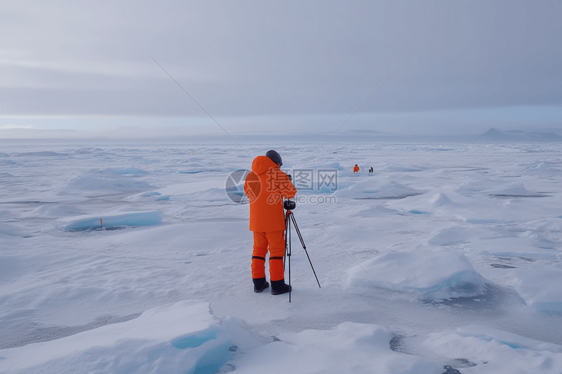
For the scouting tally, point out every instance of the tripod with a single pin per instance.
(289, 217)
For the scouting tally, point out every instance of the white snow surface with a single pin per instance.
(439, 261)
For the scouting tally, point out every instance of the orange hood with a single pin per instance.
(262, 164)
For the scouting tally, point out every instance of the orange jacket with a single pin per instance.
(355, 169)
(266, 186)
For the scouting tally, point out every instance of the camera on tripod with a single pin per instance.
(289, 205)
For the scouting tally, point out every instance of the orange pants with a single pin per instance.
(275, 240)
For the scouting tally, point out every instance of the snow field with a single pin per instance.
(410, 260)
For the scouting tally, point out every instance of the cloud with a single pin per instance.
(12, 126)
(253, 59)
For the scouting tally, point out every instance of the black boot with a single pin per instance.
(279, 287)
(260, 284)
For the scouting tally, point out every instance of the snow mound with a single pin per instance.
(515, 190)
(491, 351)
(435, 276)
(452, 235)
(434, 202)
(184, 338)
(349, 348)
(542, 168)
(440, 200)
(540, 287)
(370, 189)
(111, 220)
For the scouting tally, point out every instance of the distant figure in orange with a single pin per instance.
(266, 186)
(355, 169)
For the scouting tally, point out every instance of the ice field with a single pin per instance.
(446, 260)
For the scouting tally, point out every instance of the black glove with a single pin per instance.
(290, 178)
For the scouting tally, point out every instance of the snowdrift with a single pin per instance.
(183, 338)
(543, 168)
(534, 273)
(427, 203)
(186, 338)
(434, 276)
(489, 351)
(349, 348)
(111, 220)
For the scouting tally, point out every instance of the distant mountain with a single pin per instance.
(496, 135)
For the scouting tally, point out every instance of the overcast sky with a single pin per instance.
(282, 66)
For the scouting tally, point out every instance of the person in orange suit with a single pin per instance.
(355, 169)
(265, 187)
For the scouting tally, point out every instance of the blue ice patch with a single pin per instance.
(194, 340)
(191, 172)
(463, 284)
(413, 211)
(212, 356)
(125, 219)
(489, 339)
(150, 194)
(510, 345)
